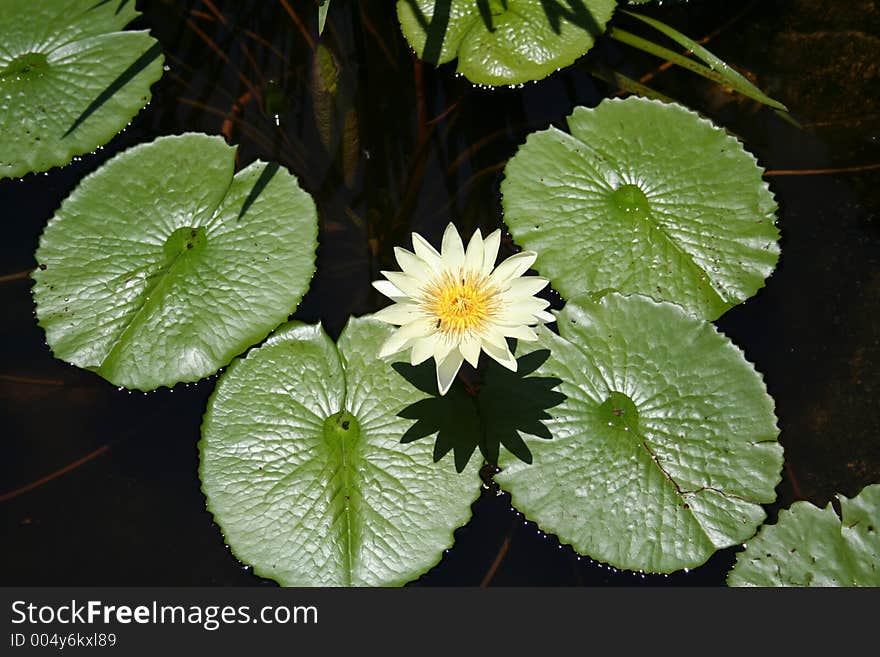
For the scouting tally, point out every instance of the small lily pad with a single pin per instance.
(665, 446)
(503, 42)
(70, 79)
(162, 266)
(644, 197)
(303, 469)
(810, 546)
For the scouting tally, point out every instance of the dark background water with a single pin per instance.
(388, 145)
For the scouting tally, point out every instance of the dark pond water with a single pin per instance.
(401, 146)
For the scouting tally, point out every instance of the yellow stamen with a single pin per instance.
(460, 304)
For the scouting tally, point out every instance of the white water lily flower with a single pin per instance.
(453, 304)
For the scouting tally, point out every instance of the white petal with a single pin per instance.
(447, 369)
(389, 290)
(420, 328)
(427, 252)
(402, 337)
(422, 350)
(398, 313)
(473, 257)
(452, 249)
(521, 311)
(514, 266)
(403, 282)
(520, 332)
(490, 251)
(533, 304)
(470, 349)
(503, 356)
(413, 265)
(525, 286)
(393, 344)
(491, 335)
(516, 319)
(442, 347)
(544, 317)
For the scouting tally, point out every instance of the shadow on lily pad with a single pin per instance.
(136, 68)
(119, 7)
(506, 405)
(435, 29)
(573, 11)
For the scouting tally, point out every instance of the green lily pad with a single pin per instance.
(503, 42)
(644, 197)
(161, 266)
(70, 79)
(665, 446)
(810, 546)
(303, 469)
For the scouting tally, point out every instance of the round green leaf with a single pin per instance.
(303, 469)
(161, 266)
(809, 546)
(644, 197)
(665, 447)
(501, 42)
(70, 79)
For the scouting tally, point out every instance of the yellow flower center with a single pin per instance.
(460, 304)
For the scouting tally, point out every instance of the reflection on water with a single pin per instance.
(388, 145)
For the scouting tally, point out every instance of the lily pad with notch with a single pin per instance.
(809, 546)
(665, 447)
(644, 197)
(503, 42)
(303, 469)
(70, 79)
(161, 266)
